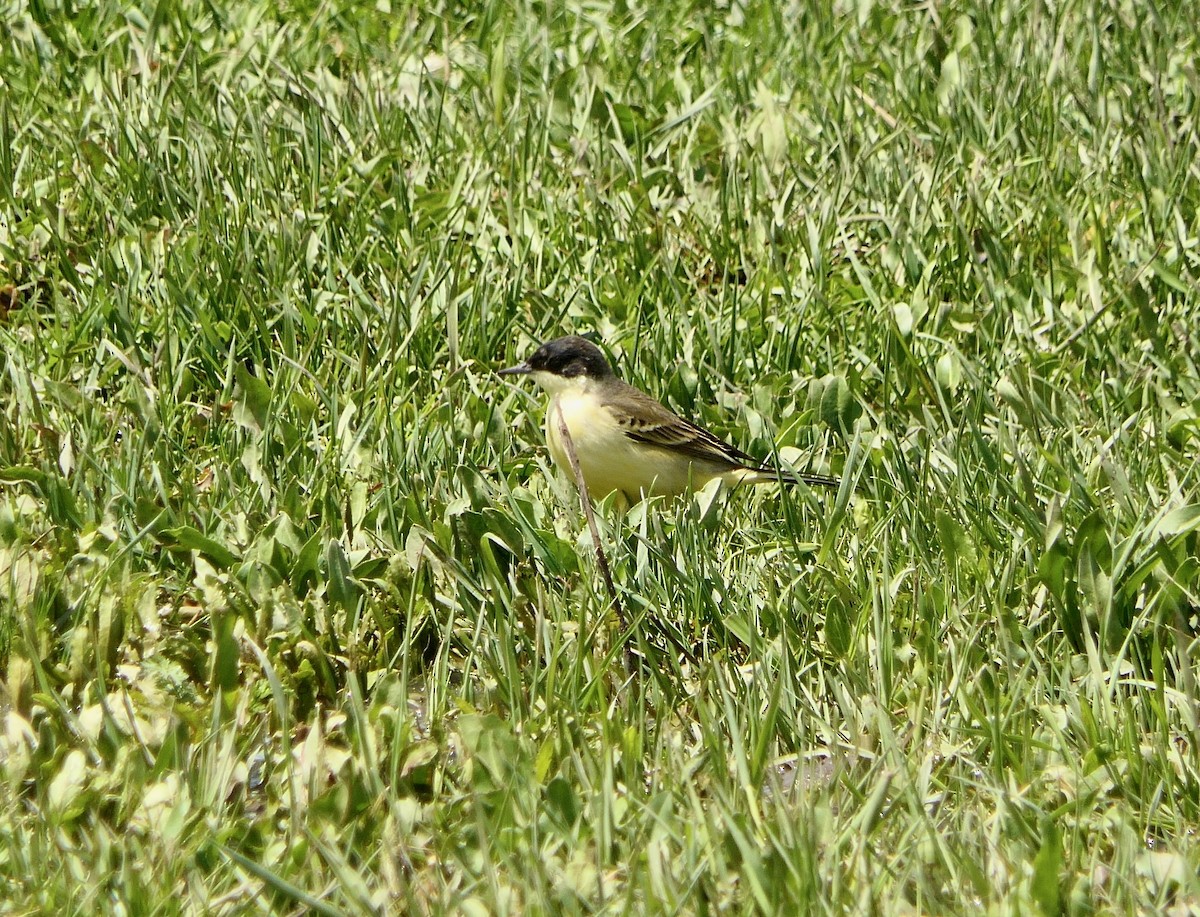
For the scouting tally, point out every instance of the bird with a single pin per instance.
(627, 441)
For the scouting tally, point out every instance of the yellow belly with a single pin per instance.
(609, 459)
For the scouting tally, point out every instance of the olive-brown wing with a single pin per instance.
(644, 420)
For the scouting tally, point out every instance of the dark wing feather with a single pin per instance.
(646, 421)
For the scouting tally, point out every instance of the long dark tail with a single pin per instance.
(812, 480)
(765, 474)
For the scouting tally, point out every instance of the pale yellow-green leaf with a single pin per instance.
(949, 371)
(68, 783)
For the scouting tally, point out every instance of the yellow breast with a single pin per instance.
(608, 458)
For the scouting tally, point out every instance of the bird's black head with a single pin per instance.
(567, 357)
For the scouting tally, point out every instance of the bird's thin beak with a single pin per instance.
(521, 369)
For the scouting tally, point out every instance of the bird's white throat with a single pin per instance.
(555, 384)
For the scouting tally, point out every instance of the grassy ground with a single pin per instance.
(293, 614)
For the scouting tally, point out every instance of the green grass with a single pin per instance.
(295, 616)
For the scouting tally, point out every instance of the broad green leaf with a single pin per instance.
(833, 402)
(1047, 867)
(225, 651)
(190, 539)
(1181, 520)
(251, 400)
(956, 542)
(838, 630)
(343, 589)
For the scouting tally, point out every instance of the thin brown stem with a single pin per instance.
(586, 497)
